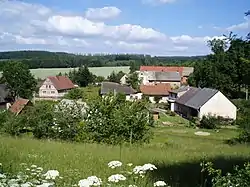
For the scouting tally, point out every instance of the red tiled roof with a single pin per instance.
(18, 105)
(61, 82)
(157, 89)
(162, 68)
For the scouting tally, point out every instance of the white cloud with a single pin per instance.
(34, 26)
(102, 13)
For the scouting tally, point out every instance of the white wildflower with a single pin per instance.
(132, 185)
(150, 167)
(46, 185)
(139, 170)
(27, 184)
(129, 164)
(33, 166)
(160, 183)
(84, 183)
(94, 181)
(1, 164)
(51, 174)
(116, 178)
(114, 164)
(2, 176)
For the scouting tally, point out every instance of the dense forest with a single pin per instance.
(45, 59)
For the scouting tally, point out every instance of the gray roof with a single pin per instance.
(108, 87)
(187, 96)
(3, 93)
(165, 76)
(200, 98)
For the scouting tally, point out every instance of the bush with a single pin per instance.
(113, 120)
(209, 122)
(75, 94)
(239, 177)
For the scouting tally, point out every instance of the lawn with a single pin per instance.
(175, 150)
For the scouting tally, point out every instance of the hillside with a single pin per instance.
(46, 59)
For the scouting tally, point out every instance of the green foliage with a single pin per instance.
(20, 81)
(157, 99)
(45, 59)
(134, 81)
(209, 122)
(229, 55)
(239, 176)
(83, 77)
(75, 94)
(115, 77)
(113, 120)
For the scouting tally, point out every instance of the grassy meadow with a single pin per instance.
(175, 150)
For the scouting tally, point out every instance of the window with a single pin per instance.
(44, 92)
(46, 86)
(49, 86)
(52, 92)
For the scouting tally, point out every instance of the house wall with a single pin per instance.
(133, 97)
(164, 99)
(48, 90)
(123, 80)
(184, 110)
(219, 105)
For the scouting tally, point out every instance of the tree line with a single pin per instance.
(45, 59)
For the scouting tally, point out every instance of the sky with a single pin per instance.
(154, 27)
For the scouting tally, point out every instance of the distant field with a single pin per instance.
(99, 71)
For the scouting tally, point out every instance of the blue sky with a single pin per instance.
(156, 27)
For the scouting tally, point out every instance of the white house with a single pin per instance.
(199, 102)
(55, 87)
(112, 87)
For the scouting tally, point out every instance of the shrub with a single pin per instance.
(113, 120)
(75, 94)
(239, 177)
(209, 122)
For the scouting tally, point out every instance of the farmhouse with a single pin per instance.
(199, 102)
(160, 90)
(55, 87)
(176, 77)
(112, 87)
(20, 105)
(4, 97)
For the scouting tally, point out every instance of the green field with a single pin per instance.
(175, 150)
(99, 71)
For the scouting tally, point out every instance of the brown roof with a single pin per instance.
(61, 82)
(157, 89)
(18, 105)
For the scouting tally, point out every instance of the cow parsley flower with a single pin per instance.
(2, 176)
(114, 164)
(51, 174)
(150, 167)
(129, 164)
(116, 178)
(132, 185)
(84, 183)
(90, 181)
(46, 185)
(141, 170)
(160, 183)
(27, 184)
(138, 170)
(33, 166)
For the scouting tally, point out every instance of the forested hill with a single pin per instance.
(45, 59)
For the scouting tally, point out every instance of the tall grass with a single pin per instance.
(172, 147)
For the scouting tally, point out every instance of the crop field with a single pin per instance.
(99, 71)
(175, 150)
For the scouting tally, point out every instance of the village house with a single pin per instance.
(5, 100)
(112, 87)
(146, 74)
(20, 105)
(160, 90)
(199, 102)
(55, 87)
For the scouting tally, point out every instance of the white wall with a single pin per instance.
(47, 89)
(133, 97)
(123, 80)
(219, 105)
